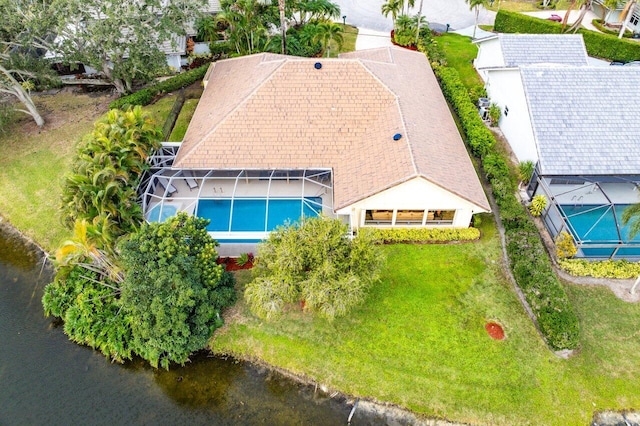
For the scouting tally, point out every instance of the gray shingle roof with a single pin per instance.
(586, 120)
(527, 49)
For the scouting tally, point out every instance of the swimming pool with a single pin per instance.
(597, 224)
(256, 214)
(160, 213)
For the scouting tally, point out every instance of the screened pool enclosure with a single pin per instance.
(590, 209)
(242, 205)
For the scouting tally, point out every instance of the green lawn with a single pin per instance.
(419, 341)
(180, 128)
(460, 53)
(33, 163)
(525, 5)
(349, 35)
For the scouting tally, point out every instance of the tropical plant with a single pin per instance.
(308, 11)
(565, 247)
(475, 6)
(246, 23)
(631, 217)
(494, 114)
(538, 204)
(106, 170)
(329, 32)
(315, 262)
(173, 289)
(244, 258)
(525, 171)
(393, 8)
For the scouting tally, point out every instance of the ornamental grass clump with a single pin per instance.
(314, 264)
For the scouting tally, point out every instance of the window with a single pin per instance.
(506, 111)
(378, 217)
(440, 217)
(635, 18)
(409, 217)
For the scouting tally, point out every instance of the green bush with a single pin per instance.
(528, 259)
(565, 247)
(525, 171)
(538, 205)
(622, 269)
(148, 94)
(420, 235)
(606, 46)
(316, 264)
(599, 24)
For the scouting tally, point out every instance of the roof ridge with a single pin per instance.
(239, 104)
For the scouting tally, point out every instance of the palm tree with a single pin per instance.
(625, 16)
(585, 6)
(329, 32)
(475, 5)
(283, 26)
(393, 8)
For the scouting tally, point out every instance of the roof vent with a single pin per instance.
(317, 65)
(397, 137)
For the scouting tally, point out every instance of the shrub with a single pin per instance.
(529, 261)
(243, 259)
(525, 171)
(599, 24)
(621, 269)
(565, 247)
(315, 263)
(494, 114)
(148, 94)
(421, 235)
(606, 46)
(538, 205)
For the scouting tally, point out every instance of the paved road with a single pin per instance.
(366, 13)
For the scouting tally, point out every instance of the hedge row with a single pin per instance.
(600, 45)
(146, 95)
(622, 269)
(422, 235)
(529, 261)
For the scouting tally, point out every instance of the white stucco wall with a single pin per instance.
(173, 61)
(415, 194)
(504, 88)
(489, 55)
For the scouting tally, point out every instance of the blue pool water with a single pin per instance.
(256, 215)
(597, 225)
(155, 215)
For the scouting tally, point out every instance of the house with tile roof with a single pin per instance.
(581, 127)
(507, 52)
(366, 137)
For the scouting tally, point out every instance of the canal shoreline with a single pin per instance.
(385, 412)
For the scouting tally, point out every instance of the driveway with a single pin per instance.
(456, 13)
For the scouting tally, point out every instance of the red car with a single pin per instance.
(555, 18)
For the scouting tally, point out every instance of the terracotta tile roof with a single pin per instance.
(271, 111)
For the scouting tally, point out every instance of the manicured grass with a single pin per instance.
(460, 53)
(349, 35)
(33, 163)
(160, 109)
(419, 341)
(180, 128)
(524, 5)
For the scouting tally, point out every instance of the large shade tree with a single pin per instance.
(121, 39)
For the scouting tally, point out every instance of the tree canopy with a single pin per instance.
(317, 263)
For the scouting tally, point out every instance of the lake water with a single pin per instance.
(47, 379)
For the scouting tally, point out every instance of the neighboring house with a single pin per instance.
(367, 138)
(613, 16)
(510, 51)
(581, 127)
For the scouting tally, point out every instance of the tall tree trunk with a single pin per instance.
(15, 88)
(118, 83)
(283, 26)
(627, 18)
(419, 22)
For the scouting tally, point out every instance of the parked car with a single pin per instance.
(555, 18)
(632, 64)
(617, 63)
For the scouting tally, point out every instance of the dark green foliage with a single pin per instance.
(421, 235)
(317, 263)
(528, 259)
(106, 171)
(147, 95)
(91, 311)
(173, 289)
(606, 46)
